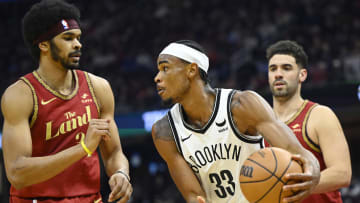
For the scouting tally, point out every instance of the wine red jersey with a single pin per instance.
(298, 125)
(57, 123)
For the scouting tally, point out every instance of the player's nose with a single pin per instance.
(77, 44)
(278, 74)
(157, 78)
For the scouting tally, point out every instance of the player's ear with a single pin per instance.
(44, 46)
(302, 75)
(192, 69)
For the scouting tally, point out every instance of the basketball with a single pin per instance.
(262, 175)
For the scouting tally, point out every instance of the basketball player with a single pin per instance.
(316, 126)
(56, 117)
(208, 133)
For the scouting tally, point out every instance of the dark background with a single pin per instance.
(121, 41)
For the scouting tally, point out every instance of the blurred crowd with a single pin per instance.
(122, 39)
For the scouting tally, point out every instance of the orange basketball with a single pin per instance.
(262, 175)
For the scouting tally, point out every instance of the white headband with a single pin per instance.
(188, 54)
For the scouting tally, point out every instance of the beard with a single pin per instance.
(54, 50)
(287, 91)
(167, 102)
(279, 93)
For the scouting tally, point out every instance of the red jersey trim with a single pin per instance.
(91, 88)
(297, 113)
(307, 139)
(36, 105)
(56, 93)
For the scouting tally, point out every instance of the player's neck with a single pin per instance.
(56, 77)
(286, 108)
(198, 105)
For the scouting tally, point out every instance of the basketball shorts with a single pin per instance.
(93, 198)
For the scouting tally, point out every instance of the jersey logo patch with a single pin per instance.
(221, 123)
(84, 96)
(185, 138)
(48, 101)
(295, 128)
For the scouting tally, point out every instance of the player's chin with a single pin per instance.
(72, 66)
(167, 101)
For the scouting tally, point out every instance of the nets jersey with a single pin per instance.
(57, 123)
(215, 152)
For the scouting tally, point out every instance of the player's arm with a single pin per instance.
(21, 168)
(111, 150)
(253, 115)
(334, 148)
(180, 171)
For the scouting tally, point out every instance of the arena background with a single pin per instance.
(121, 40)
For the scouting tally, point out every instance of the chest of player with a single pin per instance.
(217, 144)
(61, 117)
(61, 123)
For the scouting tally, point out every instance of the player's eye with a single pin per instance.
(287, 67)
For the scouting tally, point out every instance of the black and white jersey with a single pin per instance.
(217, 151)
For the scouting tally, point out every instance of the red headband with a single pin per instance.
(58, 28)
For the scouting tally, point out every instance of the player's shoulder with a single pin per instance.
(18, 89)
(246, 99)
(97, 80)
(321, 111)
(246, 95)
(17, 97)
(161, 129)
(101, 86)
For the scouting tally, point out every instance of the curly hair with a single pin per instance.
(291, 48)
(197, 46)
(41, 17)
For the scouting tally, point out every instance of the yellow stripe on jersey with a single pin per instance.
(308, 142)
(56, 93)
(91, 88)
(297, 113)
(36, 105)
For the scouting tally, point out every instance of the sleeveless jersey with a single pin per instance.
(215, 152)
(298, 125)
(57, 123)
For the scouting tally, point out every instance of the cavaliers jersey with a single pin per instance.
(298, 125)
(59, 122)
(217, 151)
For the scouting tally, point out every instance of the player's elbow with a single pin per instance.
(16, 177)
(16, 181)
(345, 179)
(346, 174)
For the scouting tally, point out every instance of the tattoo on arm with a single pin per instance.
(163, 130)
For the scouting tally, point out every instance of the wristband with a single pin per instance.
(126, 175)
(85, 148)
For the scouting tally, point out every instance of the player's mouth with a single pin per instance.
(279, 84)
(75, 55)
(160, 89)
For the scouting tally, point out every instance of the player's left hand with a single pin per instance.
(305, 182)
(121, 188)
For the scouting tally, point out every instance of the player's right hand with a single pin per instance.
(306, 181)
(98, 129)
